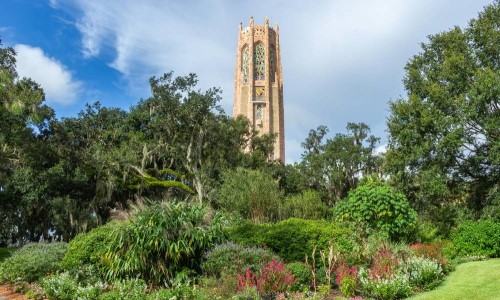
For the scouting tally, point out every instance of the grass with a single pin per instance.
(4, 253)
(470, 281)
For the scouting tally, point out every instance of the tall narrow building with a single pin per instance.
(258, 82)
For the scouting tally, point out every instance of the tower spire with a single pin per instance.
(258, 82)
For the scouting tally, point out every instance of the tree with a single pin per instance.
(335, 166)
(251, 194)
(444, 138)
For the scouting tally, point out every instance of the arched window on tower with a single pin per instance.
(245, 62)
(273, 60)
(259, 62)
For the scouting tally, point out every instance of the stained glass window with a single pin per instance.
(258, 112)
(259, 62)
(273, 63)
(244, 65)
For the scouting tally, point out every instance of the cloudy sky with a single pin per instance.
(342, 60)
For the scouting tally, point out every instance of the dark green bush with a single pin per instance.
(32, 261)
(163, 240)
(235, 258)
(303, 274)
(376, 207)
(89, 248)
(4, 253)
(292, 239)
(476, 239)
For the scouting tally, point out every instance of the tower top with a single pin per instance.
(258, 82)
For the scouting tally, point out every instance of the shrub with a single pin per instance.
(476, 238)
(390, 288)
(32, 261)
(292, 239)
(424, 272)
(89, 248)
(273, 278)
(305, 206)
(430, 251)
(130, 289)
(376, 207)
(181, 292)
(384, 264)
(234, 258)
(59, 286)
(252, 194)
(64, 286)
(347, 279)
(163, 240)
(302, 274)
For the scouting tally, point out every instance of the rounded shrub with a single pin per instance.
(32, 262)
(163, 240)
(424, 272)
(376, 207)
(479, 238)
(292, 239)
(302, 273)
(89, 248)
(234, 258)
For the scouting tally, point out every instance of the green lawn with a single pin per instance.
(470, 281)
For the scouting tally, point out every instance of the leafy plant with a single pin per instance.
(32, 262)
(60, 286)
(234, 258)
(430, 251)
(347, 279)
(252, 194)
(89, 248)
(302, 273)
(384, 264)
(130, 289)
(424, 272)
(476, 238)
(376, 207)
(273, 278)
(396, 287)
(292, 239)
(163, 240)
(307, 205)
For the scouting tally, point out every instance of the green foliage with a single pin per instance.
(252, 194)
(444, 146)
(89, 248)
(292, 239)
(424, 272)
(234, 258)
(162, 240)
(60, 286)
(396, 287)
(476, 238)
(307, 205)
(32, 262)
(302, 273)
(335, 166)
(376, 207)
(181, 292)
(130, 289)
(5, 253)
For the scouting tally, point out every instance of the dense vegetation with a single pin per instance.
(164, 201)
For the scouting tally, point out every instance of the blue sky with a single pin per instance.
(342, 60)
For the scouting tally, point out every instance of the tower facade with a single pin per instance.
(258, 82)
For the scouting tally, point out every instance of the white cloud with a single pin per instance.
(54, 77)
(342, 59)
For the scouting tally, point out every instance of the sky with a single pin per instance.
(343, 60)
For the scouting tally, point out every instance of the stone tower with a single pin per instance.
(258, 82)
